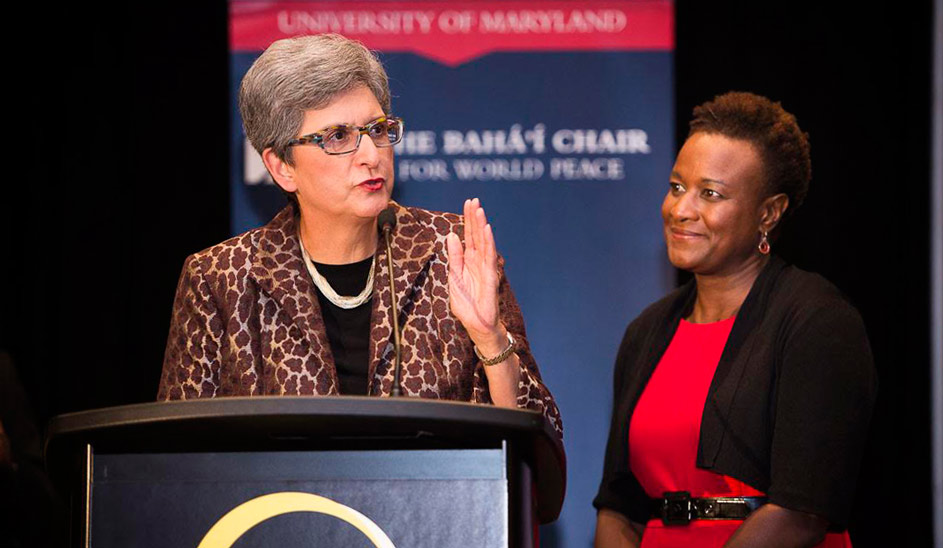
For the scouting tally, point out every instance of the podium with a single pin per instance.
(307, 471)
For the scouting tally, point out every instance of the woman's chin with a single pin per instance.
(375, 211)
(372, 205)
(683, 261)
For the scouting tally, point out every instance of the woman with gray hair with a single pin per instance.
(303, 304)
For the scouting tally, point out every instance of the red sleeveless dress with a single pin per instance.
(664, 434)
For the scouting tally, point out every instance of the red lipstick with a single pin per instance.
(372, 185)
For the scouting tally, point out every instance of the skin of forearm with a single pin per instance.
(613, 530)
(503, 379)
(773, 526)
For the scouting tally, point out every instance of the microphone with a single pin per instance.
(386, 222)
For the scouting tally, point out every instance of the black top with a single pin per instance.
(348, 331)
(788, 408)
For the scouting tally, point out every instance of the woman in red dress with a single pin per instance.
(742, 399)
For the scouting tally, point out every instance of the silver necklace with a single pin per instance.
(339, 300)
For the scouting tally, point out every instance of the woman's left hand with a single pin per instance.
(473, 297)
(474, 279)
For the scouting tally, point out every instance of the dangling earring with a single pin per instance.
(764, 244)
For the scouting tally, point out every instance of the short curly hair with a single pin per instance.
(783, 147)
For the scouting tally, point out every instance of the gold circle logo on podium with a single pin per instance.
(247, 515)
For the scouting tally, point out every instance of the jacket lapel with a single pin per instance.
(652, 348)
(730, 370)
(278, 268)
(413, 245)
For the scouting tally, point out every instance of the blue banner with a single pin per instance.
(569, 151)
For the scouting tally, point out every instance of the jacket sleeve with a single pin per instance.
(619, 490)
(192, 357)
(532, 393)
(826, 387)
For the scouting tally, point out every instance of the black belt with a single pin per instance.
(678, 508)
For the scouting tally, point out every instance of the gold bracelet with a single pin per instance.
(500, 357)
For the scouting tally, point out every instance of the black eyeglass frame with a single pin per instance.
(318, 136)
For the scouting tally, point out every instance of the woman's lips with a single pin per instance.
(372, 185)
(681, 234)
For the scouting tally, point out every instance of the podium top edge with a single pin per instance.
(258, 407)
(247, 420)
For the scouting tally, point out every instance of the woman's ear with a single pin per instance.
(281, 171)
(772, 210)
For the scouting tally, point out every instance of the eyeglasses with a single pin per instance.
(345, 138)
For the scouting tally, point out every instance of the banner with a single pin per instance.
(558, 115)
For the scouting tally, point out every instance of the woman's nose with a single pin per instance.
(367, 152)
(683, 208)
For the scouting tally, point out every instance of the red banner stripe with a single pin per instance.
(454, 33)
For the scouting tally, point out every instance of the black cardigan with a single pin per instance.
(788, 408)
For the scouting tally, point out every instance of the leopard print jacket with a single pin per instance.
(246, 321)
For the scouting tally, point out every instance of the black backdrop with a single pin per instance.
(119, 170)
(858, 80)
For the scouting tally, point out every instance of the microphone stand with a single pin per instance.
(395, 390)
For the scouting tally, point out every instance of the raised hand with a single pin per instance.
(473, 281)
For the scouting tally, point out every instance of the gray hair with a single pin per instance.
(302, 73)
